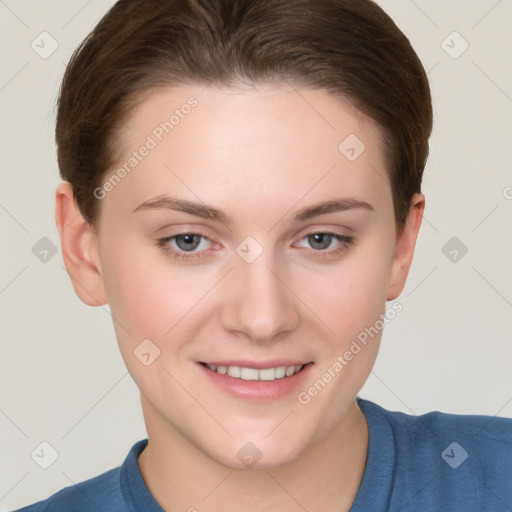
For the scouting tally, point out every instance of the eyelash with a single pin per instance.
(346, 243)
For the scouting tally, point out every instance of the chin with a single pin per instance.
(258, 455)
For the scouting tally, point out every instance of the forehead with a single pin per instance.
(239, 146)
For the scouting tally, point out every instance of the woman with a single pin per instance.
(284, 142)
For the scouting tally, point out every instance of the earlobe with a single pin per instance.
(79, 248)
(406, 242)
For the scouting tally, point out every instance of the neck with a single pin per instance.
(326, 477)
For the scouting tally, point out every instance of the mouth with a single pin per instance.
(249, 373)
(257, 382)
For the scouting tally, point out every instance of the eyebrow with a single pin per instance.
(211, 213)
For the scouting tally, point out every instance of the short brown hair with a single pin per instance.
(350, 48)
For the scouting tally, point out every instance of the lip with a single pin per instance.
(271, 363)
(257, 391)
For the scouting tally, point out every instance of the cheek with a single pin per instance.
(137, 298)
(149, 300)
(352, 303)
(145, 294)
(351, 297)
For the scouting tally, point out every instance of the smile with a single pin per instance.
(268, 374)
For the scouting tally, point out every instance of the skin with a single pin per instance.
(259, 154)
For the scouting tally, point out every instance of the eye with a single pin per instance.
(184, 245)
(321, 241)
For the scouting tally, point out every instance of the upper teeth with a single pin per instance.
(253, 373)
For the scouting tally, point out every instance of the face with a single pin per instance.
(244, 237)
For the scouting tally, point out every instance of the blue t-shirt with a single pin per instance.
(434, 462)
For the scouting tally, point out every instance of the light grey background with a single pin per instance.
(63, 379)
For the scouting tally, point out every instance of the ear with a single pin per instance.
(406, 241)
(79, 248)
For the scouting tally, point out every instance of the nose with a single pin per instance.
(261, 303)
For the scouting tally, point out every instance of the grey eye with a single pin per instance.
(188, 241)
(320, 241)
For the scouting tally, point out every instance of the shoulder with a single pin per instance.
(456, 459)
(483, 440)
(102, 492)
(477, 433)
